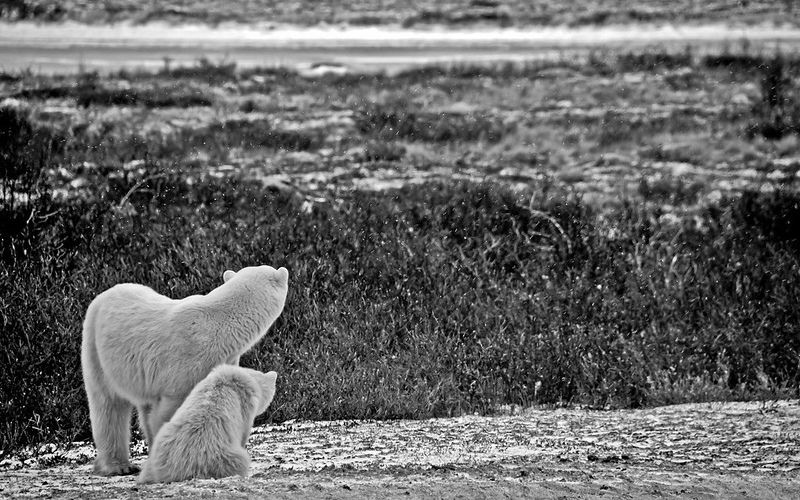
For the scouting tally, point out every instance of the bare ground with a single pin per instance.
(730, 450)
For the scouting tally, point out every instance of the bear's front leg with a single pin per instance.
(143, 413)
(162, 411)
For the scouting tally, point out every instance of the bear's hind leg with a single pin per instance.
(143, 413)
(111, 420)
(110, 414)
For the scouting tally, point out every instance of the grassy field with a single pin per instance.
(620, 231)
(415, 13)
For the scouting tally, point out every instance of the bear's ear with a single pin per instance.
(227, 275)
(284, 274)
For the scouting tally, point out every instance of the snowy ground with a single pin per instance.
(726, 450)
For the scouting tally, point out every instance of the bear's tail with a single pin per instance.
(93, 376)
(89, 359)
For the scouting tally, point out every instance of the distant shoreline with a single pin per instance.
(239, 35)
(64, 47)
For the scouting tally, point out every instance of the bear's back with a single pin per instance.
(131, 299)
(138, 345)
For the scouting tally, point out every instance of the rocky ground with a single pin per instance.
(725, 450)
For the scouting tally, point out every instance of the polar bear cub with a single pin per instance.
(144, 349)
(207, 435)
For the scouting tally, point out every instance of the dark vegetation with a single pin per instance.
(25, 153)
(259, 133)
(89, 91)
(778, 113)
(396, 120)
(27, 9)
(424, 301)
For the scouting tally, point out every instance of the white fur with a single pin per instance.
(144, 349)
(207, 435)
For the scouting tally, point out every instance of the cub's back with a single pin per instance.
(224, 399)
(206, 428)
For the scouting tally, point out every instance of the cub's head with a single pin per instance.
(266, 389)
(273, 283)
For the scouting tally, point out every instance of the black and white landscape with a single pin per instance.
(534, 248)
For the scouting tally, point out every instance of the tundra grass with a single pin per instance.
(427, 301)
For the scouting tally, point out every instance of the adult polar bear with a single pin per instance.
(144, 349)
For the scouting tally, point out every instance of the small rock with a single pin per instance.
(740, 100)
(79, 183)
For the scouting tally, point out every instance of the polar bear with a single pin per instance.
(144, 349)
(206, 436)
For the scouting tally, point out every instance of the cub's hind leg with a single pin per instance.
(233, 462)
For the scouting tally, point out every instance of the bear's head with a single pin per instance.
(280, 274)
(272, 284)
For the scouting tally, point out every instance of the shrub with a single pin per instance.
(383, 151)
(745, 62)
(778, 112)
(30, 9)
(260, 132)
(768, 217)
(672, 190)
(88, 95)
(651, 61)
(397, 121)
(204, 70)
(25, 151)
